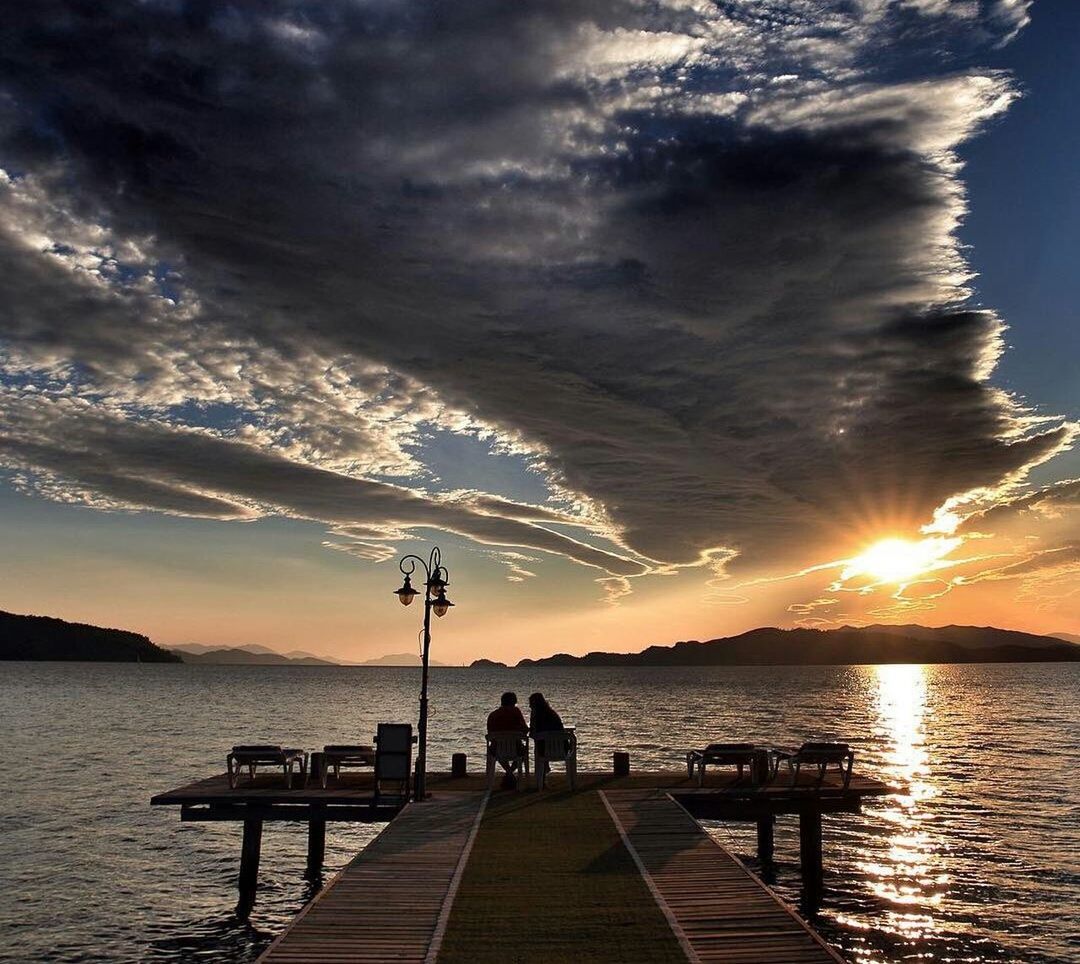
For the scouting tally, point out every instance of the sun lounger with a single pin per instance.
(819, 755)
(264, 754)
(339, 755)
(724, 754)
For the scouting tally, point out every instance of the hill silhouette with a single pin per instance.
(46, 638)
(843, 646)
(245, 656)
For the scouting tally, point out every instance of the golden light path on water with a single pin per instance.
(907, 878)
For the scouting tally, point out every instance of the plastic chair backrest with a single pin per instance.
(558, 744)
(506, 744)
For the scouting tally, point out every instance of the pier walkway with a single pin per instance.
(392, 900)
(602, 874)
(717, 909)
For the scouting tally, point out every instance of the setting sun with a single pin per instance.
(898, 560)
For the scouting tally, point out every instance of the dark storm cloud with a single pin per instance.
(698, 263)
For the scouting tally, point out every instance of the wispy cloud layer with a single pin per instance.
(695, 260)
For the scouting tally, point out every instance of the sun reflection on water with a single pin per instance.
(906, 875)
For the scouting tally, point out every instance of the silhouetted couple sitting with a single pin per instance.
(509, 719)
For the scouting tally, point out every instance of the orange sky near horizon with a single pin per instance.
(270, 593)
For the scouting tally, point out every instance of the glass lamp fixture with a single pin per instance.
(406, 593)
(437, 583)
(441, 604)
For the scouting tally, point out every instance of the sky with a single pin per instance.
(663, 320)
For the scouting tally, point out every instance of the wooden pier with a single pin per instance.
(395, 900)
(718, 910)
(391, 902)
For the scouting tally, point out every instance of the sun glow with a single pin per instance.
(899, 560)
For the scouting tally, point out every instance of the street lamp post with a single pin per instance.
(435, 583)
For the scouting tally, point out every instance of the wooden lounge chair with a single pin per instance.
(338, 755)
(819, 755)
(264, 754)
(555, 746)
(510, 748)
(723, 754)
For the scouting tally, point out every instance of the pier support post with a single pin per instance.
(765, 827)
(250, 850)
(810, 853)
(316, 844)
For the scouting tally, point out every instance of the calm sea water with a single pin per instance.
(978, 861)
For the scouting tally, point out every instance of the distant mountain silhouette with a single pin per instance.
(1068, 637)
(486, 664)
(251, 654)
(199, 648)
(843, 646)
(399, 659)
(245, 656)
(46, 638)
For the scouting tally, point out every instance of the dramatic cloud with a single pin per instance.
(695, 262)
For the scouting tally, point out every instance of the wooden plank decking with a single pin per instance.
(390, 903)
(358, 787)
(718, 909)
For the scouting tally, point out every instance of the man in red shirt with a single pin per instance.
(506, 719)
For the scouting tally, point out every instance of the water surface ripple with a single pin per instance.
(977, 861)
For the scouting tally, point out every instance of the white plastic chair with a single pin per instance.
(509, 748)
(555, 746)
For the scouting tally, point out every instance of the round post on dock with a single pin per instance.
(316, 763)
(250, 850)
(459, 765)
(621, 763)
(765, 833)
(316, 843)
(810, 854)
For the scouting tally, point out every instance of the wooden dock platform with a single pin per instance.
(393, 901)
(390, 903)
(718, 910)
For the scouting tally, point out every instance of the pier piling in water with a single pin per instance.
(316, 848)
(810, 853)
(250, 850)
(766, 827)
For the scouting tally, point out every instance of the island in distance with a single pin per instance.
(847, 645)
